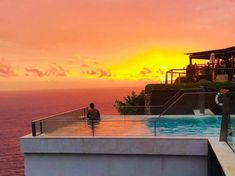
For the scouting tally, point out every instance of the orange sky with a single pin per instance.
(50, 44)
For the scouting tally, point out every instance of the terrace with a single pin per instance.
(159, 144)
(219, 67)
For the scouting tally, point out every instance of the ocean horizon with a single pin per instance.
(19, 108)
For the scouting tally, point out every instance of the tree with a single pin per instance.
(132, 105)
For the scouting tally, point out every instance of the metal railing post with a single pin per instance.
(124, 112)
(33, 128)
(84, 112)
(40, 126)
(155, 127)
(93, 128)
(225, 117)
(201, 102)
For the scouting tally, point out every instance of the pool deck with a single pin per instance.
(140, 146)
(124, 143)
(225, 156)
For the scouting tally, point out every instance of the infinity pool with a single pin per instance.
(140, 126)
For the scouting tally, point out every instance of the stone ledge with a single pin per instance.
(225, 156)
(117, 145)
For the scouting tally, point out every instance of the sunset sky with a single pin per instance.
(49, 44)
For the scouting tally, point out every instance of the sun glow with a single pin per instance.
(150, 65)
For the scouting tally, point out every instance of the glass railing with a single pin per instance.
(231, 132)
(183, 125)
(188, 114)
(47, 125)
(231, 123)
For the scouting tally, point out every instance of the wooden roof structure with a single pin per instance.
(224, 53)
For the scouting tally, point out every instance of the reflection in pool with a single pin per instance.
(187, 126)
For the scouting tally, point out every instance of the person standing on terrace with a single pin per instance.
(93, 114)
(190, 72)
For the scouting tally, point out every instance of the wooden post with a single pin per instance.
(190, 60)
(179, 78)
(171, 77)
(166, 81)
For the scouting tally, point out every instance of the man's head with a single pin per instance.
(92, 105)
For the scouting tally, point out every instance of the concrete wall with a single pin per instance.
(114, 156)
(114, 165)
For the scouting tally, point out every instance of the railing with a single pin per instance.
(74, 120)
(74, 123)
(45, 125)
(199, 73)
(231, 132)
(196, 98)
(173, 72)
(133, 122)
(136, 109)
(142, 126)
(201, 100)
(231, 121)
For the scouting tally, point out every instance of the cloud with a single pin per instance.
(103, 73)
(53, 71)
(56, 71)
(84, 66)
(160, 71)
(97, 73)
(90, 72)
(34, 71)
(145, 71)
(6, 70)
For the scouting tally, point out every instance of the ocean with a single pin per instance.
(18, 109)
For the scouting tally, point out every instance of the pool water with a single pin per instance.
(141, 126)
(187, 126)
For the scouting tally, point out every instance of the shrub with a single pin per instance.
(128, 105)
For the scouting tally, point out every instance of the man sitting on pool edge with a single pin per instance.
(92, 113)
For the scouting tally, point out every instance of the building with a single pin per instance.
(219, 66)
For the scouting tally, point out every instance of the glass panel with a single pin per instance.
(231, 132)
(52, 123)
(231, 123)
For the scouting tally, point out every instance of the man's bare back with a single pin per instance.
(93, 114)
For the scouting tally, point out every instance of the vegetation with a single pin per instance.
(126, 106)
(205, 84)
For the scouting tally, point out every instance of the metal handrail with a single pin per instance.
(162, 105)
(186, 93)
(59, 114)
(34, 122)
